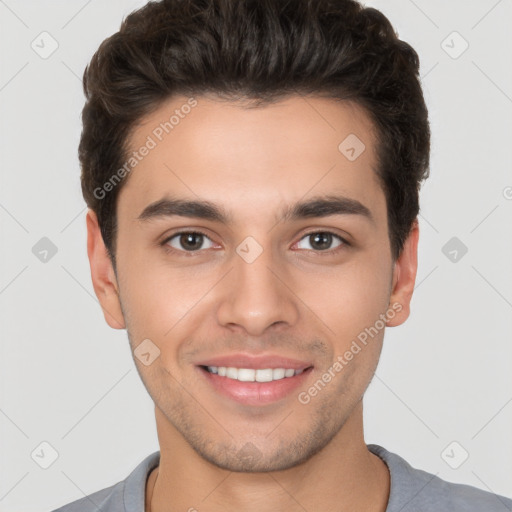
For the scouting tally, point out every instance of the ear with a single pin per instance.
(404, 278)
(102, 273)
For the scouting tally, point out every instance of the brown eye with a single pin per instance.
(322, 241)
(190, 241)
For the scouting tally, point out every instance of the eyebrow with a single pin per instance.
(321, 206)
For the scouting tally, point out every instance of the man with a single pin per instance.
(252, 172)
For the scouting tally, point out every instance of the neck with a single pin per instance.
(343, 476)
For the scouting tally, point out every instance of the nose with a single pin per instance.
(257, 295)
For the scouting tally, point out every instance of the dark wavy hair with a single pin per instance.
(263, 51)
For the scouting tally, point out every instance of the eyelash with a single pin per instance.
(327, 252)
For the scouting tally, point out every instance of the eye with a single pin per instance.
(189, 241)
(193, 242)
(322, 241)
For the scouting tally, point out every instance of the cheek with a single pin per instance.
(161, 303)
(350, 298)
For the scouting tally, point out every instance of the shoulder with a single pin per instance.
(127, 495)
(109, 499)
(416, 490)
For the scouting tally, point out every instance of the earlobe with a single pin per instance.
(404, 278)
(102, 274)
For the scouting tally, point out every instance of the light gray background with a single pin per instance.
(69, 380)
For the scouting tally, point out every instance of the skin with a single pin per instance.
(294, 300)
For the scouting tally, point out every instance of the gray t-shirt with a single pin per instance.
(412, 490)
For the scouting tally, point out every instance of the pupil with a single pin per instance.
(187, 241)
(321, 240)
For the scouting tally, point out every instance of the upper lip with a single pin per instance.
(255, 362)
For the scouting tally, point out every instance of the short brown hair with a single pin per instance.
(261, 50)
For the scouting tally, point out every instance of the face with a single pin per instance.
(250, 239)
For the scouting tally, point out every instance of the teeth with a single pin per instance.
(251, 375)
(243, 374)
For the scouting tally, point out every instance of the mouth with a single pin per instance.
(253, 374)
(254, 386)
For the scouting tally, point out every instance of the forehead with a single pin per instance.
(252, 159)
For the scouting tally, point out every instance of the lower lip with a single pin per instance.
(255, 393)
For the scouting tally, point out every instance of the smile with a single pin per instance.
(254, 386)
(253, 375)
